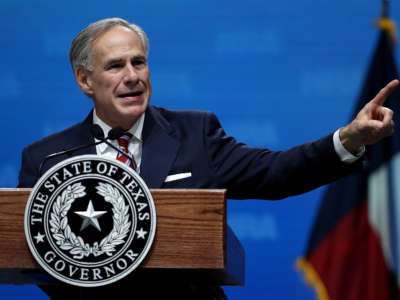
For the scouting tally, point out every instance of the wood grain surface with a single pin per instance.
(190, 229)
(191, 233)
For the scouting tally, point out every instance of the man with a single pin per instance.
(188, 149)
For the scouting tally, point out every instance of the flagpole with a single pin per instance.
(385, 8)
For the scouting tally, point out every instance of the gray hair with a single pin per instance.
(81, 47)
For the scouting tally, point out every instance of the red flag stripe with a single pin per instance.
(351, 263)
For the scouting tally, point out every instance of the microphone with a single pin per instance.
(113, 134)
(98, 133)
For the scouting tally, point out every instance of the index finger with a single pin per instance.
(384, 93)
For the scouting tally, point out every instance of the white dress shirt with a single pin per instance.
(134, 146)
(344, 155)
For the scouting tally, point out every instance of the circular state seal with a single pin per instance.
(90, 221)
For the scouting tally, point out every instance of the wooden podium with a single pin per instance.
(192, 240)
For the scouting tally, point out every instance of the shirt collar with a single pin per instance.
(136, 130)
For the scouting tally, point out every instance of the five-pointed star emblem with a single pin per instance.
(90, 217)
(141, 233)
(39, 238)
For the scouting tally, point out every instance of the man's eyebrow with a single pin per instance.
(113, 61)
(139, 56)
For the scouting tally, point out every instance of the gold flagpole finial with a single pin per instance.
(385, 24)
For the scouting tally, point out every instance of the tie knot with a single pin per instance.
(123, 141)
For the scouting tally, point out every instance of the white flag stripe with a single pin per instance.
(395, 185)
(378, 210)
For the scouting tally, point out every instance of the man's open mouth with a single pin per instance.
(131, 94)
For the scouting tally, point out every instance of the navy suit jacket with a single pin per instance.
(193, 141)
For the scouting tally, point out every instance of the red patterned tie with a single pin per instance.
(123, 142)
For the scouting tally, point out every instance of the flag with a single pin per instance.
(353, 250)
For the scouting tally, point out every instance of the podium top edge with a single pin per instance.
(212, 191)
(15, 189)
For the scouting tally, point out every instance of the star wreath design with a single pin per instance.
(69, 241)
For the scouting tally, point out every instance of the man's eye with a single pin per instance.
(114, 66)
(138, 62)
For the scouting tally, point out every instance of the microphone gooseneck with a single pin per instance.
(116, 133)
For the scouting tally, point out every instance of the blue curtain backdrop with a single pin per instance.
(277, 73)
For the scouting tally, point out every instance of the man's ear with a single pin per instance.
(82, 77)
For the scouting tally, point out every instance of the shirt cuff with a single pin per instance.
(344, 155)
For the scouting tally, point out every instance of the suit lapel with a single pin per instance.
(83, 137)
(160, 148)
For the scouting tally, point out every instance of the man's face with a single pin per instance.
(120, 81)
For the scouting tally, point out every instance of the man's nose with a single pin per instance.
(130, 76)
